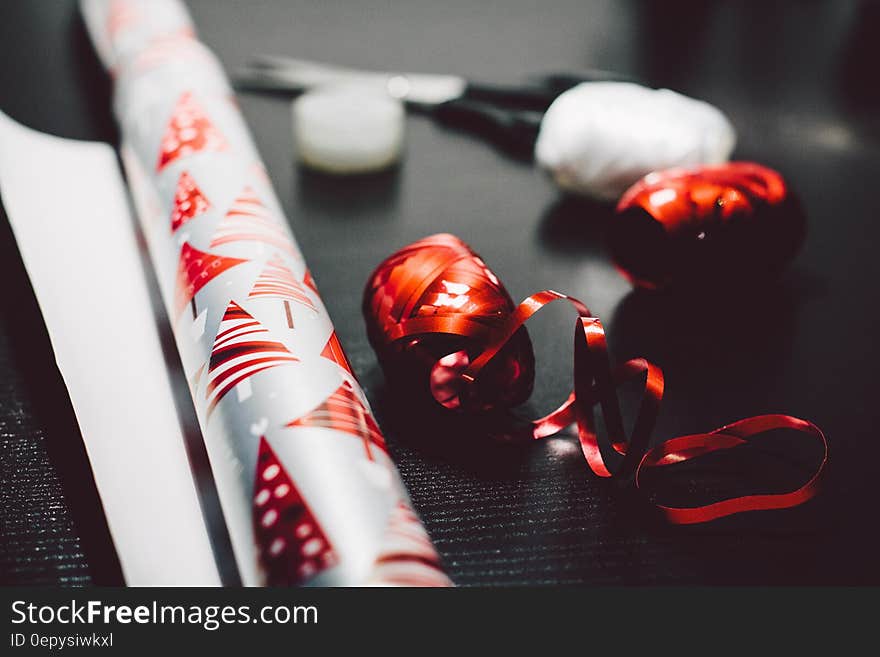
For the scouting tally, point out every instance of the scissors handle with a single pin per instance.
(512, 131)
(533, 97)
(538, 94)
(564, 80)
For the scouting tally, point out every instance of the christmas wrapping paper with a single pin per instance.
(309, 493)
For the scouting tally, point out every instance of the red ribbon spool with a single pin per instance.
(706, 226)
(443, 325)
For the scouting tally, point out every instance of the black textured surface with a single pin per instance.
(794, 78)
(40, 544)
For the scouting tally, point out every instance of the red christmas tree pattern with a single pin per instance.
(249, 220)
(278, 282)
(333, 351)
(310, 282)
(189, 201)
(343, 411)
(172, 47)
(239, 352)
(407, 557)
(292, 545)
(189, 131)
(121, 15)
(195, 270)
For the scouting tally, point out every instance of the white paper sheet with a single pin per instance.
(67, 205)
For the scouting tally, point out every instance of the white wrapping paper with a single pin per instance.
(68, 210)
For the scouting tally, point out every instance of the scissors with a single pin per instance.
(509, 116)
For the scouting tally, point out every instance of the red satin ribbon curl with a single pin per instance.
(439, 319)
(706, 225)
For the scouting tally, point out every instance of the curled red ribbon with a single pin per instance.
(442, 323)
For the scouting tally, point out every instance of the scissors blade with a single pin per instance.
(290, 74)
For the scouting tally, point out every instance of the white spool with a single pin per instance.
(599, 138)
(345, 130)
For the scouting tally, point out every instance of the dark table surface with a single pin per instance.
(797, 79)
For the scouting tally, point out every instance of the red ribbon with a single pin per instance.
(439, 318)
(686, 226)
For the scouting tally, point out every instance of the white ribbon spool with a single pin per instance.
(599, 138)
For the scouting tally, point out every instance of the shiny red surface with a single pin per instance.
(433, 307)
(709, 223)
(441, 321)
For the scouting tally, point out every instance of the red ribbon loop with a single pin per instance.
(596, 383)
(436, 313)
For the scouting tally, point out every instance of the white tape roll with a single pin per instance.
(348, 130)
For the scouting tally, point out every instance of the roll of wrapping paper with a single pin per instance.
(309, 493)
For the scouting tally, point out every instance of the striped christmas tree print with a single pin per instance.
(291, 543)
(189, 131)
(309, 281)
(333, 351)
(189, 201)
(195, 270)
(407, 557)
(278, 282)
(240, 351)
(343, 411)
(120, 17)
(173, 47)
(249, 220)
